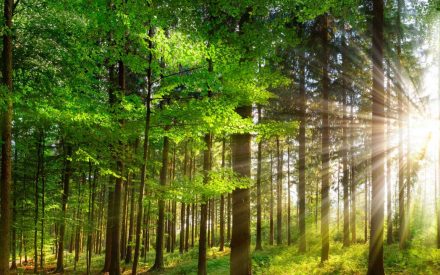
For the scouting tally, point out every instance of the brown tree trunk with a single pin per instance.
(37, 179)
(402, 215)
(375, 261)
(325, 154)
(117, 197)
(271, 223)
(345, 175)
(279, 193)
(14, 217)
(140, 206)
(128, 254)
(438, 168)
(289, 235)
(158, 261)
(352, 178)
(389, 158)
(43, 193)
(241, 237)
(6, 140)
(302, 162)
(201, 267)
(222, 207)
(109, 227)
(125, 194)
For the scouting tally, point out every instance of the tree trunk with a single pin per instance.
(402, 216)
(6, 138)
(375, 261)
(345, 176)
(279, 193)
(158, 261)
(353, 178)
(126, 194)
(367, 190)
(241, 237)
(14, 216)
(302, 161)
(201, 267)
(325, 157)
(389, 158)
(109, 226)
(271, 224)
(43, 192)
(438, 168)
(128, 254)
(117, 197)
(289, 239)
(147, 102)
(37, 178)
(259, 157)
(222, 207)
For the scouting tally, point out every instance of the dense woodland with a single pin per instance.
(216, 137)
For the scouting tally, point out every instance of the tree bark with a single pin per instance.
(325, 154)
(345, 176)
(279, 193)
(375, 261)
(289, 235)
(222, 206)
(128, 254)
(389, 158)
(158, 261)
(302, 161)
(117, 197)
(6, 140)
(241, 238)
(201, 267)
(271, 223)
(147, 102)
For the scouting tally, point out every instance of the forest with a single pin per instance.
(220, 137)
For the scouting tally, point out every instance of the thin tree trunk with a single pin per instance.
(222, 207)
(201, 267)
(345, 176)
(375, 261)
(43, 192)
(14, 216)
(37, 178)
(353, 177)
(389, 159)
(128, 254)
(402, 216)
(325, 158)
(302, 162)
(289, 239)
(109, 226)
(271, 223)
(279, 193)
(126, 194)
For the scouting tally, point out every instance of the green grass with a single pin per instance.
(418, 259)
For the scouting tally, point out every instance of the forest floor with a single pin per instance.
(418, 259)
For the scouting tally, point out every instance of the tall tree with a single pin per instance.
(375, 260)
(202, 268)
(302, 159)
(279, 192)
(6, 139)
(325, 140)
